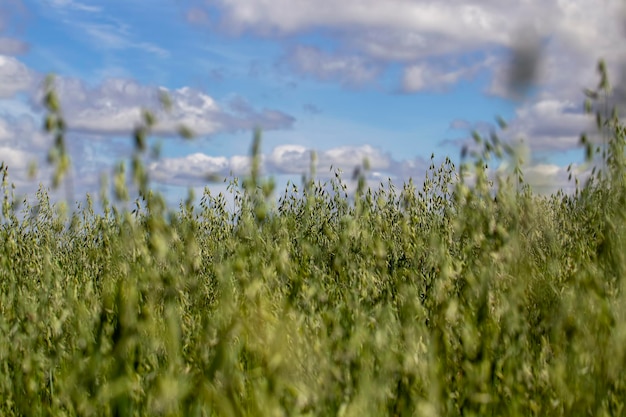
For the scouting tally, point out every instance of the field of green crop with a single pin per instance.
(455, 298)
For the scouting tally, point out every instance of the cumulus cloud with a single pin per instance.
(15, 158)
(547, 178)
(411, 168)
(548, 49)
(453, 18)
(15, 77)
(427, 77)
(192, 168)
(241, 164)
(544, 125)
(348, 157)
(18, 161)
(22, 132)
(296, 159)
(550, 125)
(436, 44)
(198, 168)
(410, 30)
(115, 107)
(23, 143)
(289, 159)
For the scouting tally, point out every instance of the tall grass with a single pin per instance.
(448, 299)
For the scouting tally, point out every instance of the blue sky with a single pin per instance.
(392, 81)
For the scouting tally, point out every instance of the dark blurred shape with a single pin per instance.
(525, 62)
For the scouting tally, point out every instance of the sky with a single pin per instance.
(391, 81)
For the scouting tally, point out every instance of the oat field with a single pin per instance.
(467, 295)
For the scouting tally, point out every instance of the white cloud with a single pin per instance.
(22, 142)
(15, 158)
(290, 159)
(349, 157)
(198, 168)
(115, 107)
(195, 167)
(438, 44)
(423, 77)
(550, 125)
(240, 165)
(18, 162)
(544, 125)
(23, 132)
(21, 138)
(5, 131)
(371, 33)
(15, 77)
(411, 168)
(454, 18)
(421, 28)
(296, 159)
(549, 178)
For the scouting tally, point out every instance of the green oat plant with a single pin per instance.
(455, 298)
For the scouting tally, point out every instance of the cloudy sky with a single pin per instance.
(393, 81)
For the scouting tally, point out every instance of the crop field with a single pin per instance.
(467, 295)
